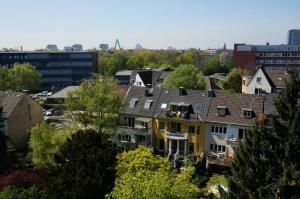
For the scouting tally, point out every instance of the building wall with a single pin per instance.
(56, 68)
(26, 114)
(139, 81)
(271, 57)
(198, 139)
(264, 85)
(221, 138)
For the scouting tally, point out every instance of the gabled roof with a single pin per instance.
(146, 76)
(192, 97)
(9, 100)
(235, 102)
(64, 92)
(137, 92)
(276, 79)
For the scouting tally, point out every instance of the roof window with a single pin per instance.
(132, 102)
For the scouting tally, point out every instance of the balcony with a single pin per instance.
(137, 130)
(177, 136)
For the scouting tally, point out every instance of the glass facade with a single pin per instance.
(56, 68)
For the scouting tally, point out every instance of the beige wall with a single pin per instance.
(19, 122)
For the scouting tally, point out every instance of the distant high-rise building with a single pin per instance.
(104, 46)
(51, 47)
(138, 46)
(77, 47)
(294, 37)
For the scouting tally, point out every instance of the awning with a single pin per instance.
(143, 119)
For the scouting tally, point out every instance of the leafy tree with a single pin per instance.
(110, 63)
(85, 167)
(5, 79)
(135, 61)
(25, 77)
(234, 80)
(267, 162)
(191, 56)
(22, 193)
(45, 141)
(140, 174)
(212, 65)
(96, 102)
(187, 76)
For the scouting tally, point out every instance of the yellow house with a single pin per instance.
(178, 124)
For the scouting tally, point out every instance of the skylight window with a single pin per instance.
(164, 105)
(147, 104)
(198, 108)
(132, 102)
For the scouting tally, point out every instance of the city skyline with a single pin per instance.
(155, 25)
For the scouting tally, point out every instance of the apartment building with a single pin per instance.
(19, 113)
(271, 57)
(57, 68)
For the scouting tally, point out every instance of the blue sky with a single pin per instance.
(154, 24)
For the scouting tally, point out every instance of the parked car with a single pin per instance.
(50, 112)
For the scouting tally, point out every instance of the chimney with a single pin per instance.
(211, 93)
(182, 91)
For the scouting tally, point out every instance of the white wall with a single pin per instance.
(264, 85)
(138, 81)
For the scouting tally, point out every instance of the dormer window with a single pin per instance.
(247, 112)
(221, 110)
(147, 104)
(132, 102)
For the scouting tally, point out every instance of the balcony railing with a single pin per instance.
(177, 135)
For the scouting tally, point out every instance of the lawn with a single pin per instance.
(217, 179)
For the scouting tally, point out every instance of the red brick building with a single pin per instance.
(271, 57)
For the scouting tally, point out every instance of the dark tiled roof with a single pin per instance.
(278, 78)
(235, 102)
(269, 104)
(9, 100)
(192, 97)
(139, 93)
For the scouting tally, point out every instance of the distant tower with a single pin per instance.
(117, 44)
(138, 46)
(224, 47)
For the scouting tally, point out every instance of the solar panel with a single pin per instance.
(198, 108)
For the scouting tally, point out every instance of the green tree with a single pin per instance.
(267, 162)
(85, 167)
(22, 193)
(25, 77)
(234, 80)
(187, 76)
(5, 79)
(96, 103)
(140, 174)
(45, 141)
(212, 65)
(135, 61)
(110, 63)
(191, 56)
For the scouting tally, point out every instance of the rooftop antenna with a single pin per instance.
(117, 44)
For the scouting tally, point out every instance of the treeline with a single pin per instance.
(19, 77)
(111, 62)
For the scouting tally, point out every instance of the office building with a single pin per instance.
(58, 69)
(293, 37)
(271, 57)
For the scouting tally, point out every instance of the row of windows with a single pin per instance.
(161, 146)
(264, 54)
(177, 127)
(217, 148)
(47, 56)
(134, 101)
(218, 129)
(268, 61)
